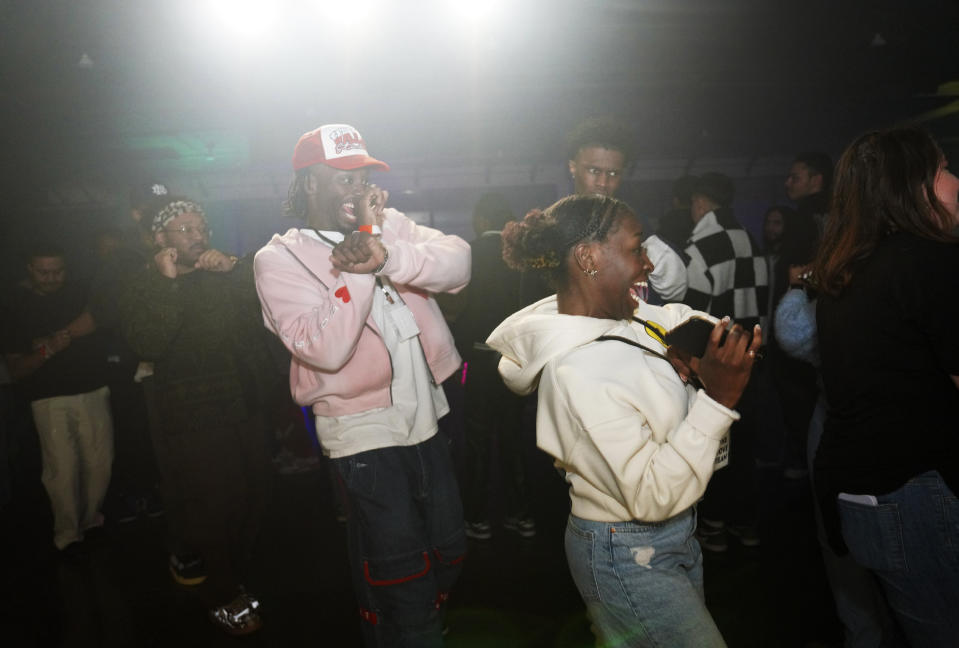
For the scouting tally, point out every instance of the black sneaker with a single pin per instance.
(125, 509)
(712, 535)
(479, 530)
(239, 616)
(524, 526)
(152, 505)
(748, 534)
(187, 569)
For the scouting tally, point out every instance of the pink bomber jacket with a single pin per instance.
(340, 364)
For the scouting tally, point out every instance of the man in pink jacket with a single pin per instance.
(349, 295)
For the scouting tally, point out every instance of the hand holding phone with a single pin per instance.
(727, 361)
(692, 336)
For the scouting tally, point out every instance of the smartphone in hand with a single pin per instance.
(692, 336)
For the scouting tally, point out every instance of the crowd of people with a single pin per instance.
(825, 354)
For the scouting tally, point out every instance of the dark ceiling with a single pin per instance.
(167, 83)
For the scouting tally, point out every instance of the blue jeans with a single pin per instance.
(406, 540)
(642, 582)
(866, 618)
(910, 541)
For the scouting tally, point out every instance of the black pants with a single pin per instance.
(732, 494)
(494, 418)
(216, 480)
(134, 466)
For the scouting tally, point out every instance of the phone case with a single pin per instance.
(692, 336)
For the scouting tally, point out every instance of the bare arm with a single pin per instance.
(22, 365)
(84, 324)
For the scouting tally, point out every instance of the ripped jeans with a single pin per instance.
(642, 582)
(406, 540)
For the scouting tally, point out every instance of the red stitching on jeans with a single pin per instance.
(395, 581)
(369, 616)
(455, 561)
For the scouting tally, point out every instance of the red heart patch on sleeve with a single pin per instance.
(343, 294)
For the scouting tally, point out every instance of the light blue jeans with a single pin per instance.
(910, 541)
(642, 582)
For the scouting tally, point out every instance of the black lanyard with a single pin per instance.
(692, 379)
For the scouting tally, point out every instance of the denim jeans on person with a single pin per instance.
(910, 541)
(866, 618)
(642, 582)
(406, 540)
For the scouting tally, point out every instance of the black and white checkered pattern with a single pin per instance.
(727, 274)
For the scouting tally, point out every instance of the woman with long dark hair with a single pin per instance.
(887, 468)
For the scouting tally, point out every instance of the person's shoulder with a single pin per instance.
(396, 218)
(912, 270)
(744, 242)
(274, 248)
(291, 236)
(922, 254)
(16, 298)
(588, 372)
(946, 249)
(709, 232)
(597, 358)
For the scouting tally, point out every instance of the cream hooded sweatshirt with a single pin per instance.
(635, 442)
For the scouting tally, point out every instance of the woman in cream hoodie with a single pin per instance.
(621, 417)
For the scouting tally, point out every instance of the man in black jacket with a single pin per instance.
(491, 410)
(195, 314)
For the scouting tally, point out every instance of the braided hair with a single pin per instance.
(542, 241)
(296, 204)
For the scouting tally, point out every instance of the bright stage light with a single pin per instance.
(474, 14)
(343, 16)
(247, 20)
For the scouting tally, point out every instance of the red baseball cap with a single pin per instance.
(337, 145)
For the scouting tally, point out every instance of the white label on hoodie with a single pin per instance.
(722, 454)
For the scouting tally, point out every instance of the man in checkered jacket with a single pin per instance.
(726, 272)
(727, 275)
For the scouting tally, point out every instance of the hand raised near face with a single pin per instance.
(724, 370)
(361, 252)
(799, 274)
(370, 205)
(165, 262)
(215, 261)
